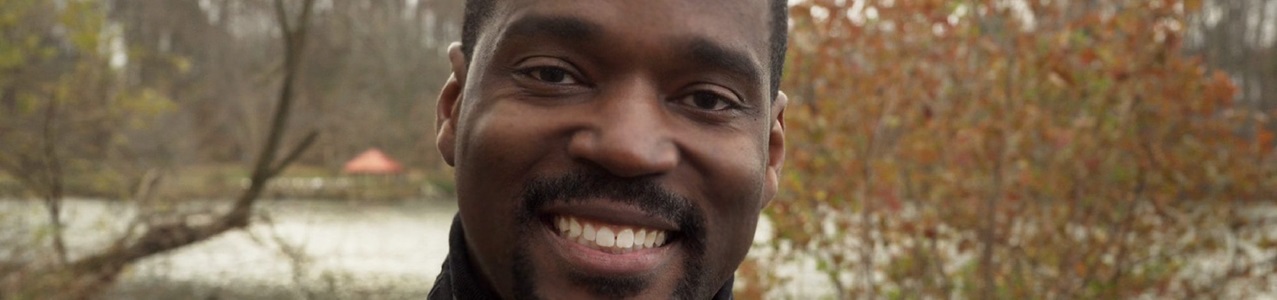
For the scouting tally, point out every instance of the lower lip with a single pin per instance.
(598, 262)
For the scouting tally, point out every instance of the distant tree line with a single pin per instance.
(1240, 37)
(369, 78)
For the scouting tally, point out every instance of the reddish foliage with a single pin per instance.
(1068, 146)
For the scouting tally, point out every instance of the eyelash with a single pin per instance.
(533, 72)
(692, 99)
(688, 100)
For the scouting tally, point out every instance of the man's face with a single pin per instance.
(609, 149)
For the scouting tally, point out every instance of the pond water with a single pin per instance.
(309, 249)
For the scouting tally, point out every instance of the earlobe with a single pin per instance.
(775, 149)
(447, 107)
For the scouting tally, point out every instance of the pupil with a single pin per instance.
(552, 75)
(705, 101)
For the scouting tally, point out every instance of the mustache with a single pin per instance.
(590, 185)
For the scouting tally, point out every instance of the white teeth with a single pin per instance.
(574, 229)
(650, 242)
(639, 238)
(625, 239)
(609, 238)
(589, 232)
(605, 237)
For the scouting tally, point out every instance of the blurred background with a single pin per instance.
(981, 149)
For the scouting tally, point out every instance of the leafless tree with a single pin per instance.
(89, 274)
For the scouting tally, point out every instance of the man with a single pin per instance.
(610, 149)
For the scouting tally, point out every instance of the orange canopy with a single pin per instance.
(372, 161)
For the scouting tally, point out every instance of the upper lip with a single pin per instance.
(611, 212)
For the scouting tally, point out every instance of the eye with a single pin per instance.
(553, 75)
(707, 101)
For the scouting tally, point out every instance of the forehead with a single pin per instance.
(739, 25)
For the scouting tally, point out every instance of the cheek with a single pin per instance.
(732, 168)
(496, 149)
(499, 144)
(499, 148)
(731, 172)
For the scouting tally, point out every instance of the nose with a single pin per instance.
(628, 133)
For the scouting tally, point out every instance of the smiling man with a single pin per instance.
(610, 149)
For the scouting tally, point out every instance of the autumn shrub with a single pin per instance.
(1015, 149)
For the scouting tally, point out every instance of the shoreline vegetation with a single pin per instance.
(212, 181)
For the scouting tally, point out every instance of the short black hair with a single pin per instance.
(479, 11)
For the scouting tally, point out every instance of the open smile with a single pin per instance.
(611, 245)
(611, 238)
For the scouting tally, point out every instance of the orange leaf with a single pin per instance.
(1192, 5)
(1264, 139)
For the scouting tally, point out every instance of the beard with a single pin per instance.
(644, 193)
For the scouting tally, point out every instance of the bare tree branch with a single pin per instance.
(51, 165)
(281, 17)
(98, 270)
(297, 152)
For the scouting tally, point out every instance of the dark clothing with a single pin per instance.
(458, 280)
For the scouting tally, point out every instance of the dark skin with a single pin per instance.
(673, 92)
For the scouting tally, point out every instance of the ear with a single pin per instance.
(775, 148)
(448, 106)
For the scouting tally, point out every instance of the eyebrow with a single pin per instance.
(718, 56)
(559, 27)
